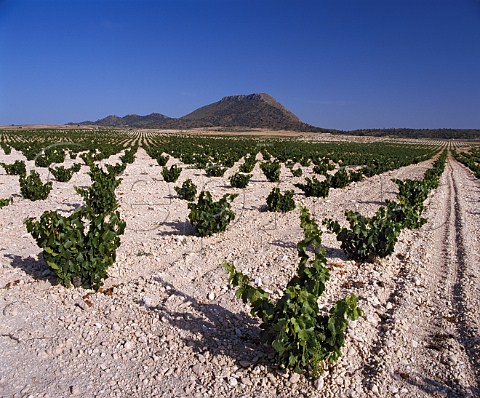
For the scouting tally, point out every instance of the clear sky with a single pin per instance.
(336, 64)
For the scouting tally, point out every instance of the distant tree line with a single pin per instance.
(464, 134)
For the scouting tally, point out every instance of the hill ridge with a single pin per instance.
(256, 110)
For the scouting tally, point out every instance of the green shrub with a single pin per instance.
(49, 156)
(302, 337)
(117, 168)
(33, 188)
(314, 187)
(304, 162)
(16, 168)
(289, 164)
(321, 168)
(373, 237)
(78, 248)
(265, 154)
(129, 155)
(87, 158)
(297, 172)
(63, 174)
(187, 191)
(407, 216)
(209, 217)
(5, 202)
(368, 237)
(412, 192)
(271, 171)
(281, 203)
(340, 179)
(201, 160)
(162, 159)
(356, 176)
(239, 180)
(408, 209)
(7, 149)
(371, 168)
(100, 196)
(215, 170)
(42, 160)
(248, 165)
(31, 152)
(229, 162)
(171, 174)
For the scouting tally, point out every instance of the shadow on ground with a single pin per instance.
(214, 329)
(181, 227)
(36, 268)
(439, 388)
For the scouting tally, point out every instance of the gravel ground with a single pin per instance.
(168, 324)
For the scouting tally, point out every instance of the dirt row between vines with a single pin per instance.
(171, 326)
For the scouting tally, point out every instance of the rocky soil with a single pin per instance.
(167, 323)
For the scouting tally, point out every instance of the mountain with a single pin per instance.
(130, 120)
(253, 111)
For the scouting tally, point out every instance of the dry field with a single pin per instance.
(172, 327)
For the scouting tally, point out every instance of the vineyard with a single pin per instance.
(148, 263)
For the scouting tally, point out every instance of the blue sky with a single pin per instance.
(336, 64)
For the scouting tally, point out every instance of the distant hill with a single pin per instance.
(252, 111)
(130, 120)
(261, 110)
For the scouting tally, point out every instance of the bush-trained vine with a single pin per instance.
(157, 154)
(368, 237)
(129, 155)
(187, 191)
(321, 168)
(314, 187)
(80, 247)
(271, 171)
(304, 161)
(374, 237)
(356, 176)
(33, 188)
(209, 217)
(412, 192)
(340, 179)
(297, 172)
(240, 180)
(265, 154)
(100, 196)
(16, 168)
(248, 165)
(117, 168)
(63, 174)
(171, 174)
(49, 156)
(7, 149)
(162, 159)
(303, 338)
(5, 202)
(215, 170)
(276, 201)
(470, 159)
(407, 216)
(87, 158)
